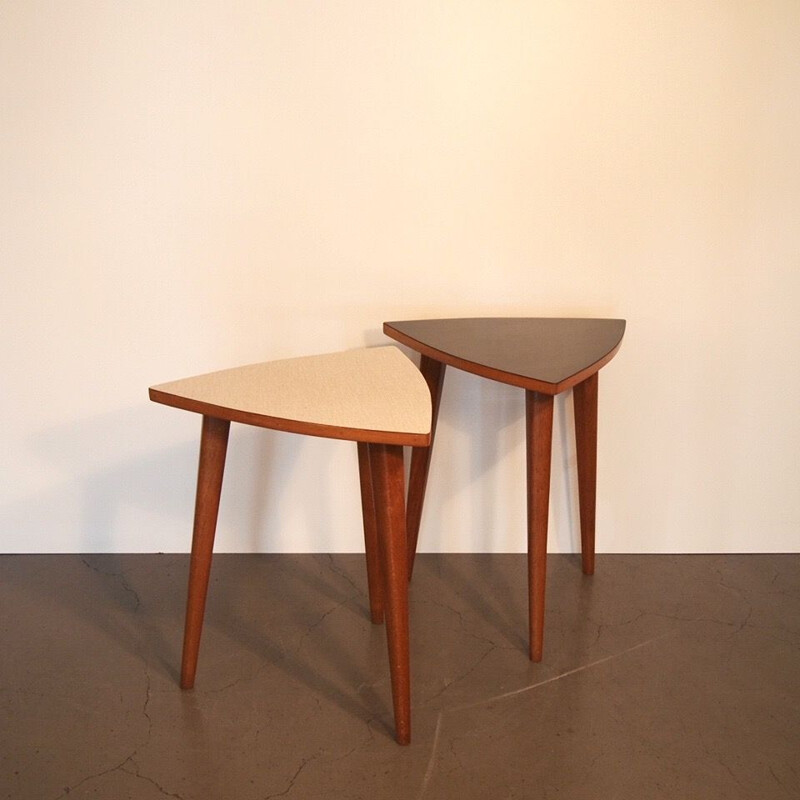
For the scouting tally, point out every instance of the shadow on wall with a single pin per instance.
(117, 488)
(92, 488)
(480, 450)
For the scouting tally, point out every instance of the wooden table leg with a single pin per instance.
(539, 438)
(388, 481)
(433, 372)
(374, 580)
(584, 398)
(213, 447)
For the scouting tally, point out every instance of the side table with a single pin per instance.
(375, 397)
(543, 356)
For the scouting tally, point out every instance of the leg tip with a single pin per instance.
(403, 737)
(377, 617)
(187, 682)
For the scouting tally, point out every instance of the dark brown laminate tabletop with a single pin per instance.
(541, 354)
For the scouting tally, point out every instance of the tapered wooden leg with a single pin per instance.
(433, 372)
(374, 580)
(213, 446)
(584, 398)
(388, 484)
(539, 430)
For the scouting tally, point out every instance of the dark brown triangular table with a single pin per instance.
(543, 356)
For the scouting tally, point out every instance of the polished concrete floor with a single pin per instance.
(663, 677)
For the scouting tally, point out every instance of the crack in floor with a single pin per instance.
(463, 675)
(435, 746)
(69, 789)
(120, 576)
(129, 758)
(140, 776)
(293, 779)
(314, 625)
(464, 628)
(336, 570)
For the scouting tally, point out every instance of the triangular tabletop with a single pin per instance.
(541, 354)
(367, 395)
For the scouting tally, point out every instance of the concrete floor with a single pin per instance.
(663, 677)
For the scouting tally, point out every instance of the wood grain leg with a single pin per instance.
(433, 372)
(539, 438)
(374, 580)
(213, 446)
(584, 398)
(388, 483)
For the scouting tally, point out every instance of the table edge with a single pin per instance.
(529, 384)
(289, 425)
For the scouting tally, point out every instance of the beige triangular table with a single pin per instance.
(543, 356)
(373, 396)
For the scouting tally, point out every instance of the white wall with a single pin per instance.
(188, 186)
